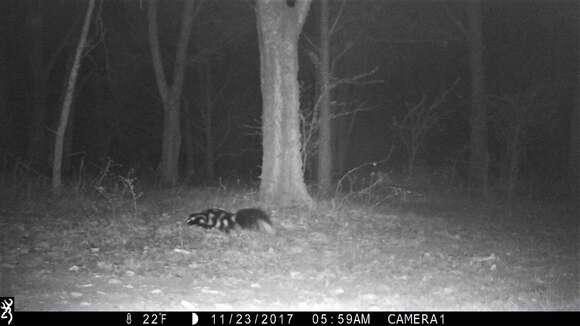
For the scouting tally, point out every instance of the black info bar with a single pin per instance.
(301, 318)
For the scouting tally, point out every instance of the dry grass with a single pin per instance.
(87, 251)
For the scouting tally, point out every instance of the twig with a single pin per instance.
(373, 163)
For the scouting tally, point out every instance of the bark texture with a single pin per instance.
(279, 26)
(324, 147)
(170, 92)
(68, 99)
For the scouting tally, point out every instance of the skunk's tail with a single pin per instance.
(254, 219)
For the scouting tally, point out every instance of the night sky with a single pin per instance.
(407, 49)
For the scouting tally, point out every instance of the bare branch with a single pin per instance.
(337, 57)
(358, 109)
(419, 119)
(337, 18)
(372, 163)
(460, 26)
(356, 79)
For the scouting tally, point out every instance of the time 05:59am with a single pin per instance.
(341, 319)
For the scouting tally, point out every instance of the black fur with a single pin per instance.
(248, 218)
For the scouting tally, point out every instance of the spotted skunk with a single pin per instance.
(253, 219)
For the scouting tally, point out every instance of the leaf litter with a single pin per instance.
(327, 258)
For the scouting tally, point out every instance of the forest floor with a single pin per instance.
(78, 252)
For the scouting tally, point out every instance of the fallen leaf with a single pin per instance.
(188, 305)
(87, 285)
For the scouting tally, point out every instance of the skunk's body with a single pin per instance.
(253, 219)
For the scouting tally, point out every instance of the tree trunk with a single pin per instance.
(170, 93)
(171, 143)
(37, 144)
(343, 137)
(279, 26)
(67, 103)
(4, 90)
(324, 146)
(575, 146)
(67, 151)
(413, 149)
(209, 140)
(188, 146)
(574, 156)
(513, 154)
(479, 160)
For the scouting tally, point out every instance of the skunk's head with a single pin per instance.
(198, 220)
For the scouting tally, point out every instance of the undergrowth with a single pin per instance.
(352, 251)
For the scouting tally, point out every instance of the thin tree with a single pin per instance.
(324, 172)
(42, 61)
(68, 98)
(574, 156)
(37, 146)
(513, 118)
(574, 151)
(279, 25)
(479, 158)
(419, 119)
(170, 92)
(4, 89)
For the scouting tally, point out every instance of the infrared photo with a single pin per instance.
(290, 155)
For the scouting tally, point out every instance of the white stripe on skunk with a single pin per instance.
(253, 219)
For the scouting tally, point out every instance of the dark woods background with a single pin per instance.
(386, 57)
